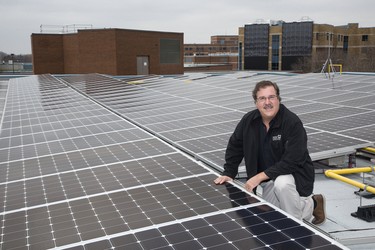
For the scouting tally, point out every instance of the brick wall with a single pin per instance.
(106, 51)
(48, 56)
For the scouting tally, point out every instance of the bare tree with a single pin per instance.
(2, 55)
(368, 63)
(27, 58)
(358, 63)
(303, 65)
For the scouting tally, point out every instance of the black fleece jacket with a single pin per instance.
(288, 145)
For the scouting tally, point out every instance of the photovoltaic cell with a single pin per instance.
(344, 123)
(329, 114)
(206, 144)
(321, 94)
(101, 179)
(45, 162)
(176, 124)
(358, 102)
(365, 133)
(300, 110)
(294, 103)
(323, 145)
(199, 131)
(165, 116)
(344, 97)
(167, 111)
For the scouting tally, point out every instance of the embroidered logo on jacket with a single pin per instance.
(276, 138)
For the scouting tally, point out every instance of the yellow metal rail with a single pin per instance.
(369, 149)
(336, 174)
(335, 65)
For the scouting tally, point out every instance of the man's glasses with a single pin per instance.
(263, 99)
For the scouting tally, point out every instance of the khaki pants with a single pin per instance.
(283, 193)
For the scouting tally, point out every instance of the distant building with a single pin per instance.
(279, 45)
(108, 51)
(220, 54)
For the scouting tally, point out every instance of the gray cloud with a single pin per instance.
(198, 20)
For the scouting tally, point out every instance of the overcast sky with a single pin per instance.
(197, 19)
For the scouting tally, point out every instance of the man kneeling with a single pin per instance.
(273, 142)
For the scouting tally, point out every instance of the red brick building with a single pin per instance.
(220, 54)
(108, 51)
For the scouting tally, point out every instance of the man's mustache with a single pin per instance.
(268, 106)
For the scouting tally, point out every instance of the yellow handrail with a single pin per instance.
(372, 150)
(336, 174)
(334, 65)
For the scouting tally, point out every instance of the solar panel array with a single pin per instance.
(198, 113)
(3, 91)
(75, 174)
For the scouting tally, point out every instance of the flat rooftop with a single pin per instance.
(99, 162)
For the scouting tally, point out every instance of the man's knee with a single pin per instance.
(284, 182)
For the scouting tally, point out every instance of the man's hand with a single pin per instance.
(254, 181)
(222, 179)
(251, 184)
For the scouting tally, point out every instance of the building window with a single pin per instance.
(329, 36)
(317, 36)
(275, 52)
(297, 39)
(256, 40)
(364, 38)
(345, 44)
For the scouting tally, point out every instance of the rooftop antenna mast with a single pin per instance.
(328, 65)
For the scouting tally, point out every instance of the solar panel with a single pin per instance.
(253, 228)
(323, 145)
(365, 133)
(310, 107)
(329, 114)
(74, 174)
(344, 123)
(205, 144)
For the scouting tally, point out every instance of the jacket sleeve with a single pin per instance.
(295, 152)
(234, 152)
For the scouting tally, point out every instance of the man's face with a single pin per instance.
(267, 103)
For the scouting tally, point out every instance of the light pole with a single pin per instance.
(12, 55)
